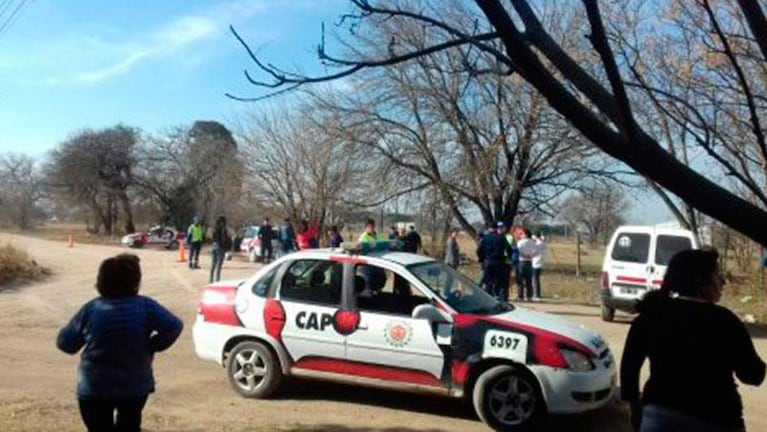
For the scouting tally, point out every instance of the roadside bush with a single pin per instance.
(16, 264)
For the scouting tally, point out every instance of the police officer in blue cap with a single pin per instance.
(493, 252)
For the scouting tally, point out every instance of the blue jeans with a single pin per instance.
(656, 418)
(217, 262)
(537, 282)
(194, 254)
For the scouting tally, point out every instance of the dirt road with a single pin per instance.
(37, 381)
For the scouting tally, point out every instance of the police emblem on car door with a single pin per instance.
(387, 334)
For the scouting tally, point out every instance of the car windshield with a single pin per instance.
(251, 232)
(460, 292)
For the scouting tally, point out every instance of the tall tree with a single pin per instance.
(23, 189)
(595, 102)
(95, 169)
(192, 171)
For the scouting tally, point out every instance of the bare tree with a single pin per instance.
(191, 171)
(596, 103)
(596, 208)
(23, 188)
(95, 169)
(294, 164)
(484, 143)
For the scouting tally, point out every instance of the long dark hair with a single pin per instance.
(688, 274)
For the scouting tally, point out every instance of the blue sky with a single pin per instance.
(66, 65)
(74, 64)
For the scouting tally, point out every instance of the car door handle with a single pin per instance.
(362, 327)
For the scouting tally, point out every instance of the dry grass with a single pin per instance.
(745, 292)
(62, 231)
(15, 264)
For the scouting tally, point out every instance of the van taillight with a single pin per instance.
(217, 305)
(605, 281)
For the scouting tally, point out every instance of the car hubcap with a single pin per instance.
(512, 400)
(249, 370)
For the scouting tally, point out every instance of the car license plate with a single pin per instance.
(627, 290)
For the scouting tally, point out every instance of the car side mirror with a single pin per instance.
(432, 314)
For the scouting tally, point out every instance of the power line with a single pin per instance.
(12, 19)
(4, 6)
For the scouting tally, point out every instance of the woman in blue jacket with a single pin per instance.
(119, 333)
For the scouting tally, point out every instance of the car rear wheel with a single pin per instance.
(608, 313)
(508, 400)
(253, 370)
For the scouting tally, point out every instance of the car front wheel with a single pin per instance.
(253, 370)
(508, 400)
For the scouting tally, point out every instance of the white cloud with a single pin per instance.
(92, 59)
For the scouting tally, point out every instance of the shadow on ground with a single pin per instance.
(611, 418)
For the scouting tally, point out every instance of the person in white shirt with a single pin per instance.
(527, 250)
(538, 259)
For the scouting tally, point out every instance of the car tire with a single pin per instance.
(508, 400)
(253, 370)
(173, 245)
(252, 256)
(608, 313)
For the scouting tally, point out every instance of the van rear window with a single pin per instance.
(668, 246)
(631, 247)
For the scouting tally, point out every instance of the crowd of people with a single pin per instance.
(510, 253)
(680, 329)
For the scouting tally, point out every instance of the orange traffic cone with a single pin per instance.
(71, 241)
(181, 251)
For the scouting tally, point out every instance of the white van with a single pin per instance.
(635, 262)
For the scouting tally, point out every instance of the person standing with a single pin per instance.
(370, 235)
(194, 236)
(307, 235)
(492, 252)
(694, 347)
(452, 251)
(537, 262)
(119, 332)
(526, 248)
(412, 240)
(334, 237)
(287, 238)
(266, 235)
(221, 244)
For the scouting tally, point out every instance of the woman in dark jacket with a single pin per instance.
(119, 332)
(221, 244)
(694, 348)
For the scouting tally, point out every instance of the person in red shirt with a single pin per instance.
(307, 235)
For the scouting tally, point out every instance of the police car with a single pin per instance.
(398, 320)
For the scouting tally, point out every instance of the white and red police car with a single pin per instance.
(404, 321)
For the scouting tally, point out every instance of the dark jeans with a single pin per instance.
(656, 418)
(266, 251)
(194, 254)
(496, 281)
(217, 262)
(98, 414)
(525, 288)
(537, 282)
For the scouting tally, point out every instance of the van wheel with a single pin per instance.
(253, 370)
(507, 400)
(608, 313)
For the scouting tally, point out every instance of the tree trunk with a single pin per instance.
(644, 155)
(128, 212)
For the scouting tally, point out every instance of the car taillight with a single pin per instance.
(217, 305)
(605, 280)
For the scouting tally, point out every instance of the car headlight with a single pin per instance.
(578, 361)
